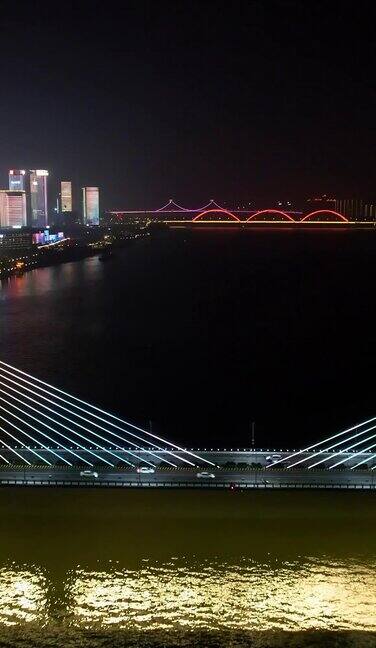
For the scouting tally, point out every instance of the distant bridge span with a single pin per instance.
(208, 212)
(276, 216)
(256, 215)
(225, 215)
(226, 212)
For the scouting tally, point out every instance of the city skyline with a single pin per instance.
(265, 101)
(27, 201)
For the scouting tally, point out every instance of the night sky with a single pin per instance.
(254, 101)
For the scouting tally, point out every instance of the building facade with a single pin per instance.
(17, 180)
(90, 205)
(38, 198)
(12, 208)
(352, 208)
(15, 241)
(66, 204)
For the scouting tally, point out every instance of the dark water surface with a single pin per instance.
(100, 568)
(205, 331)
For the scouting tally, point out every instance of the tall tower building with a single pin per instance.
(38, 198)
(90, 203)
(353, 209)
(17, 180)
(12, 208)
(66, 196)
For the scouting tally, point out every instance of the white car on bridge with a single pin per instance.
(206, 475)
(88, 473)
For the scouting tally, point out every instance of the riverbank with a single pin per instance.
(51, 637)
(71, 249)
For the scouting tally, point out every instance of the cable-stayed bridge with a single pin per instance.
(44, 424)
(50, 436)
(351, 448)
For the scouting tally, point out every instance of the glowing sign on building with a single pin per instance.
(12, 208)
(17, 180)
(38, 198)
(90, 198)
(45, 238)
(66, 196)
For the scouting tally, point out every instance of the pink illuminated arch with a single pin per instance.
(271, 211)
(325, 211)
(216, 211)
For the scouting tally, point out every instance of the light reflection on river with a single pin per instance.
(247, 595)
(214, 595)
(172, 562)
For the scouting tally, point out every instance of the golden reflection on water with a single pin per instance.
(22, 595)
(215, 595)
(248, 595)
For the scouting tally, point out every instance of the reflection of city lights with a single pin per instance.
(22, 596)
(248, 596)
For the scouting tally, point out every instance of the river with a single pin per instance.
(170, 568)
(203, 332)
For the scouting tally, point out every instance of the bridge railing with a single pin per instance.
(191, 485)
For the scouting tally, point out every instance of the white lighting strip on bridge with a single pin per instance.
(356, 454)
(343, 450)
(89, 411)
(32, 438)
(81, 436)
(14, 451)
(56, 413)
(24, 445)
(54, 431)
(108, 423)
(72, 412)
(327, 449)
(61, 446)
(361, 463)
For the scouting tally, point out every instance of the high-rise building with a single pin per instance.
(370, 212)
(66, 196)
(12, 208)
(38, 198)
(17, 180)
(353, 208)
(90, 203)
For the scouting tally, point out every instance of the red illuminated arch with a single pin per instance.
(271, 211)
(216, 211)
(325, 211)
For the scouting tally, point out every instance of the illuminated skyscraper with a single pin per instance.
(66, 196)
(353, 209)
(38, 198)
(12, 208)
(17, 180)
(90, 202)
